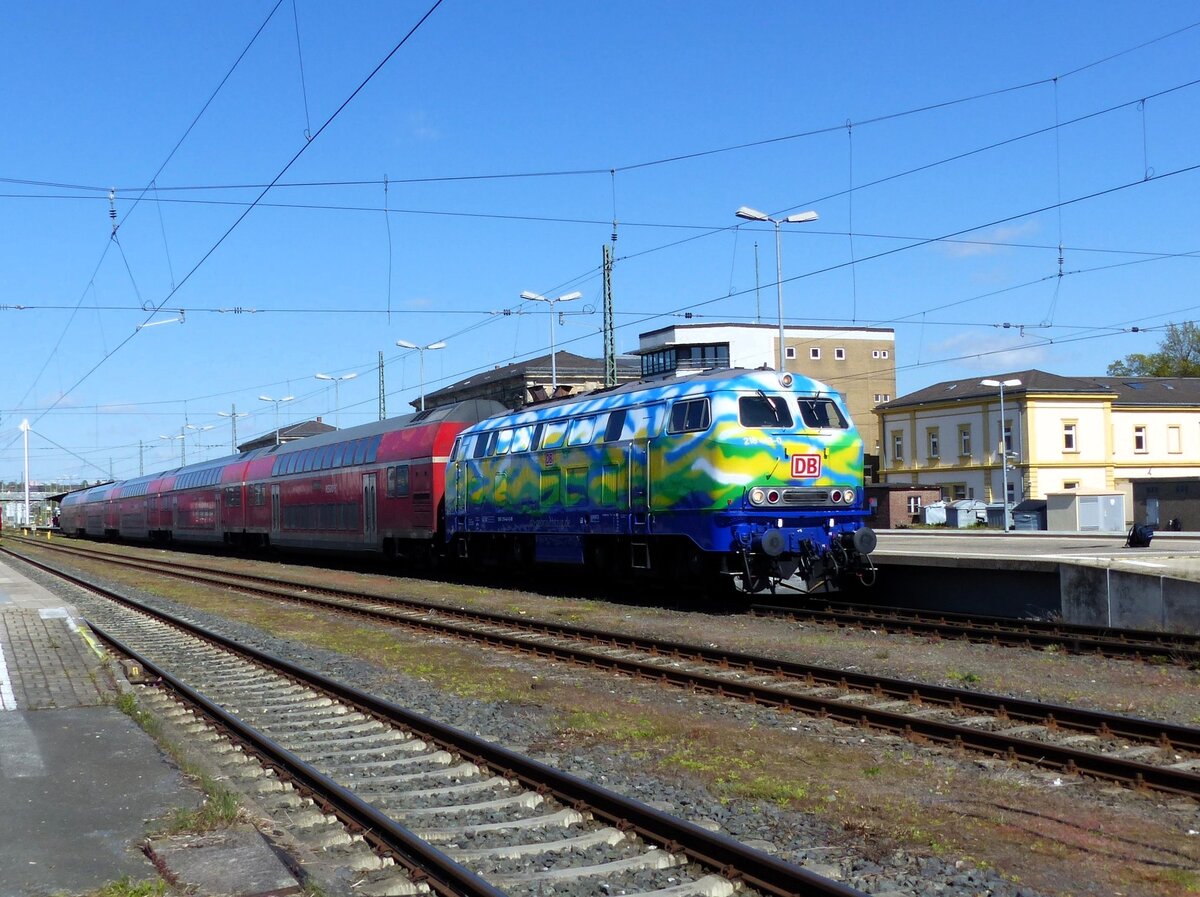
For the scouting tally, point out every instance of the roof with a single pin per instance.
(302, 430)
(1123, 390)
(773, 328)
(568, 364)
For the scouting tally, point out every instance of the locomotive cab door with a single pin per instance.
(370, 508)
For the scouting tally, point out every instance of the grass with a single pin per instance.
(126, 887)
(965, 678)
(220, 808)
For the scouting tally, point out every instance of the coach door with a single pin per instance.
(275, 509)
(369, 507)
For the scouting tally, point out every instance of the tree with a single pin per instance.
(1178, 355)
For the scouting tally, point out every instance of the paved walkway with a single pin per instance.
(78, 779)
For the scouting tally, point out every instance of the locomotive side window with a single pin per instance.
(455, 451)
(691, 416)
(581, 431)
(522, 439)
(616, 423)
(822, 414)
(554, 433)
(764, 411)
(503, 441)
(482, 443)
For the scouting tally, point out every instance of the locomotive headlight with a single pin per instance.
(786, 381)
(757, 496)
(848, 496)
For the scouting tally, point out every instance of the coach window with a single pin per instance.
(293, 462)
(764, 411)
(306, 461)
(555, 432)
(233, 497)
(581, 430)
(397, 481)
(339, 453)
(373, 443)
(822, 414)
(691, 416)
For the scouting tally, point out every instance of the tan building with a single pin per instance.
(1092, 434)
(859, 362)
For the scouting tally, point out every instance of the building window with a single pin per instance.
(883, 353)
(686, 358)
(914, 505)
(934, 443)
(897, 446)
(839, 354)
(1174, 440)
(1008, 443)
(957, 491)
(1139, 439)
(1070, 484)
(1012, 492)
(789, 352)
(814, 353)
(964, 440)
(1069, 443)
(874, 353)
(882, 397)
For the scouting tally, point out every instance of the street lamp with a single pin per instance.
(405, 344)
(337, 395)
(199, 430)
(182, 446)
(799, 218)
(537, 297)
(233, 414)
(277, 403)
(1003, 444)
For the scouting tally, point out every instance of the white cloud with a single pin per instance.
(990, 242)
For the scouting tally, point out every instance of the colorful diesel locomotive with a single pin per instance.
(750, 475)
(743, 477)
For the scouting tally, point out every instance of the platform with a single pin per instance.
(1086, 578)
(78, 779)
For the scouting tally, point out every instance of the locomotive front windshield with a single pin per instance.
(822, 414)
(764, 411)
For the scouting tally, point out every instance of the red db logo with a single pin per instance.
(806, 467)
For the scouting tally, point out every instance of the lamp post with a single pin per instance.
(25, 434)
(1003, 444)
(233, 414)
(337, 394)
(799, 218)
(537, 297)
(405, 344)
(182, 446)
(277, 403)
(199, 430)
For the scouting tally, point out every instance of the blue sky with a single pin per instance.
(503, 138)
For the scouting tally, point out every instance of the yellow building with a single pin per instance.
(1061, 433)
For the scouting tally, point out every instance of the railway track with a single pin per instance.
(1137, 644)
(458, 815)
(1113, 747)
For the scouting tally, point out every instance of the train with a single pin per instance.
(735, 478)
